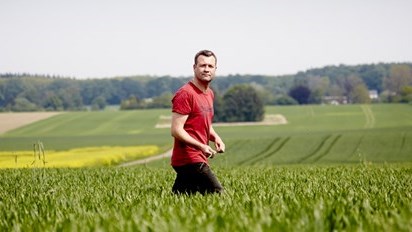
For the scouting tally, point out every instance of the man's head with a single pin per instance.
(206, 53)
(205, 66)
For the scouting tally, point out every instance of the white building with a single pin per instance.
(373, 94)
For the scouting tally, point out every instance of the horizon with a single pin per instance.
(189, 76)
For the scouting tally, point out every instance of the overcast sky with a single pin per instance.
(87, 39)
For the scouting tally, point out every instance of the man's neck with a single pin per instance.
(200, 85)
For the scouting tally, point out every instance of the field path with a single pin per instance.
(369, 116)
(11, 121)
(148, 159)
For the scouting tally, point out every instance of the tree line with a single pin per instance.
(32, 92)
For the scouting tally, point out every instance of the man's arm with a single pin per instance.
(178, 131)
(214, 137)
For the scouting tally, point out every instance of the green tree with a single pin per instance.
(99, 103)
(131, 103)
(12, 89)
(21, 104)
(355, 89)
(301, 94)
(129, 86)
(360, 94)
(71, 98)
(406, 94)
(400, 75)
(52, 102)
(241, 103)
(162, 101)
(284, 100)
(218, 108)
(318, 87)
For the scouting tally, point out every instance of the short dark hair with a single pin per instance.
(207, 53)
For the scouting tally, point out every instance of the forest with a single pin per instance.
(391, 83)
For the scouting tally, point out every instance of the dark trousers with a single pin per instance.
(194, 178)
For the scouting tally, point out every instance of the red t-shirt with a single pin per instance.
(190, 100)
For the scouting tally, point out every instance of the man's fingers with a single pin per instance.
(220, 149)
(210, 152)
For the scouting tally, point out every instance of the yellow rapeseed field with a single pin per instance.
(79, 157)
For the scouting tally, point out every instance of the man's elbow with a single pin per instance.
(173, 132)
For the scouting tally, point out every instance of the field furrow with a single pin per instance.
(327, 149)
(307, 158)
(256, 156)
(270, 153)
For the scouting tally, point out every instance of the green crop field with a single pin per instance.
(305, 198)
(313, 134)
(323, 135)
(330, 168)
(89, 129)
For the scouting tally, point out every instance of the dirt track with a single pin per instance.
(10, 121)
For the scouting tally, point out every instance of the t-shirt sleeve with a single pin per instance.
(182, 103)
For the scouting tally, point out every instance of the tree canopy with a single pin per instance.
(33, 92)
(241, 103)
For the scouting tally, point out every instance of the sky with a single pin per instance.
(108, 38)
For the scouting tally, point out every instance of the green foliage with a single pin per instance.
(162, 101)
(58, 93)
(99, 103)
(218, 109)
(301, 94)
(406, 94)
(400, 75)
(360, 94)
(284, 100)
(302, 198)
(131, 103)
(53, 102)
(22, 104)
(241, 103)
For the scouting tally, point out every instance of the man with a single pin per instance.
(192, 114)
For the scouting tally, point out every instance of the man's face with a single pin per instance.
(205, 68)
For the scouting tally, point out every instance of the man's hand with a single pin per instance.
(208, 151)
(220, 145)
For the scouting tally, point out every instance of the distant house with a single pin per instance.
(373, 94)
(335, 100)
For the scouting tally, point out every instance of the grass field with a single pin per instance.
(331, 168)
(322, 135)
(89, 129)
(314, 134)
(293, 198)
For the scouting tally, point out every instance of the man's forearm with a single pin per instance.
(213, 135)
(183, 136)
